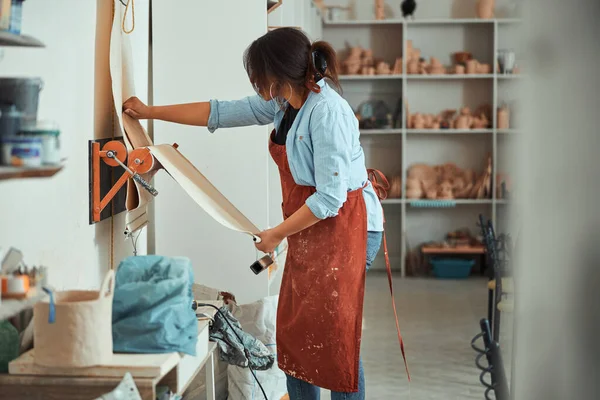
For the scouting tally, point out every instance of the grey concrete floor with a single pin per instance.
(438, 319)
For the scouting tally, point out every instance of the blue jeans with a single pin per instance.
(300, 390)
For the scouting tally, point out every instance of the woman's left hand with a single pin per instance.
(270, 239)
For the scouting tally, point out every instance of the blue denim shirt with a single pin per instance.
(322, 145)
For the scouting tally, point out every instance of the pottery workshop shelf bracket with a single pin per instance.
(112, 154)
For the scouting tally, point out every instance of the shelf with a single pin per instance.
(510, 76)
(449, 77)
(509, 20)
(272, 5)
(453, 250)
(368, 77)
(11, 307)
(365, 22)
(393, 201)
(450, 21)
(507, 131)
(450, 203)
(381, 131)
(11, 40)
(449, 131)
(29, 172)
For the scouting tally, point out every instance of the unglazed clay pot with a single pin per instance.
(485, 8)
(395, 188)
(484, 68)
(463, 122)
(383, 68)
(418, 121)
(445, 191)
(472, 66)
(413, 66)
(459, 69)
(503, 118)
(462, 57)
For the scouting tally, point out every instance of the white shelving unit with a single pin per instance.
(394, 150)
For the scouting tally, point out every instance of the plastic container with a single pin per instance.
(10, 120)
(452, 268)
(49, 134)
(21, 151)
(16, 16)
(23, 93)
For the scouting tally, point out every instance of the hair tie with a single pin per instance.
(319, 63)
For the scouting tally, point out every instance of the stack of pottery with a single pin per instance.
(448, 119)
(379, 9)
(485, 9)
(361, 61)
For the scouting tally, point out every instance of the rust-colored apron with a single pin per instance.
(319, 316)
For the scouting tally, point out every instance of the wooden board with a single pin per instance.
(453, 250)
(208, 311)
(29, 172)
(139, 365)
(108, 177)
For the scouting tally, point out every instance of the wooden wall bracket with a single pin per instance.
(112, 154)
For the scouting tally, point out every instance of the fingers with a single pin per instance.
(132, 113)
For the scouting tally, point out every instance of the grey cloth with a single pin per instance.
(251, 352)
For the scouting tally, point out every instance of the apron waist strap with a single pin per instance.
(381, 186)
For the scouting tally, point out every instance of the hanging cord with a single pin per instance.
(134, 239)
(130, 4)
(112, 179)
(246, 352)
(381, 186)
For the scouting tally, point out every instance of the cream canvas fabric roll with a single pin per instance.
(134, 135)
(199, 188)
(202, 191)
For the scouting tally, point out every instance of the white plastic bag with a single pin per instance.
(259, 320)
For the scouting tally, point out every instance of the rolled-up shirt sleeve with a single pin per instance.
(251, 110)
(332, 149)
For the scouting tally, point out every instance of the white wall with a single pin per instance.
(48, 218)
(198, 49)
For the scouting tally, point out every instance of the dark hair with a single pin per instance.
(286, 55)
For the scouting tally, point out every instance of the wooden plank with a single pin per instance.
(139, 365)
(210, 311)
(453, 250)
(29, 172)
(66, 388)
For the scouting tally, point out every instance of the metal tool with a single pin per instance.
(136, 162)
(136, 177)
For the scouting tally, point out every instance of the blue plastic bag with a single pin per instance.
(152, 306)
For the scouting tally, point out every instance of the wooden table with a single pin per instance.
(29, 381)
(476, 251)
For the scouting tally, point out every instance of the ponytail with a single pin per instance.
(323, 63)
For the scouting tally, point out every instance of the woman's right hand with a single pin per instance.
(135, 108)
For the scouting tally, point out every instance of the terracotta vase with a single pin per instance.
(485, 8)
(395, 188)
(463, 122)
(379, 9)
(459, 70)
(503, 118)
(413, 67)
(418, 121)
(472, 66)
